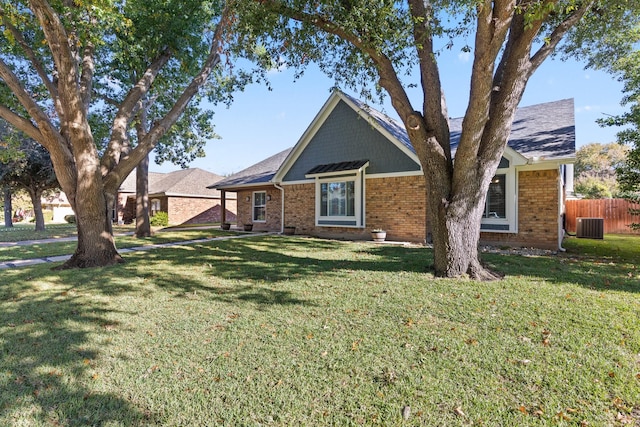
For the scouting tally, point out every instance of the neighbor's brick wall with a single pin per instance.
(272, 210)
(537, 212)
(181, 209)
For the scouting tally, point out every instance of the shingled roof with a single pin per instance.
(539, 132)
(181, 183)
(543, 131)
(258, 174)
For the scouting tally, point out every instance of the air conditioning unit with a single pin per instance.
(590, 228)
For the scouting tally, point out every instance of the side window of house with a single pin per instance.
(259, 206)
(496, 204)
(500, 212)
(155, 206)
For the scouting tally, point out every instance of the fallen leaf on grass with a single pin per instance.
(562, 416)
(458, 411)
(406, 412)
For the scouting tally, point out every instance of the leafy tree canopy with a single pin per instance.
(101, 83)
(595, 169)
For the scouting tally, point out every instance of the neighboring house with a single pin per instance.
(183, 194)
(58, 205)
(354, 169)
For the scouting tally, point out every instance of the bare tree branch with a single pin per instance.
(20, 123)
(86, 78)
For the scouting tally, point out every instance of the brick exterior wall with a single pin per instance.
(183, 210)
(191, 210)
(537, 212)
(272, 210)
(398, 205)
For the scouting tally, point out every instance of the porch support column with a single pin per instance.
(223, 200)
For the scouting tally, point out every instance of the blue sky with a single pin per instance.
(261, 123)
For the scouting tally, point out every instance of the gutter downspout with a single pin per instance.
(282, 207)
(561, 207)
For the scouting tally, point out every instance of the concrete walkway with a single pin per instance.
(62, 258)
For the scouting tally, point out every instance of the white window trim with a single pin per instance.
(359, 203)
(253, 207)
(511, 202)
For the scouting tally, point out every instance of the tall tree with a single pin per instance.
(32, 172)
(628, 174)
(53, 58)
(8, 207)
(618, 54)
(359, 43)
(595, 169)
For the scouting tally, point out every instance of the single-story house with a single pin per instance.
(354, 169)
(58, 205)
(183, 194)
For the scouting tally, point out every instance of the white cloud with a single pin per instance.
(587, 108)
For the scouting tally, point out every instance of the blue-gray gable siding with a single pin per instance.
(345, 136)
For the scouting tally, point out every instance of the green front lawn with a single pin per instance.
(293, 331)
(49, 249)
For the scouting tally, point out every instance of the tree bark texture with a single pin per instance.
(96, 245)
(143, 225)
(8, 208)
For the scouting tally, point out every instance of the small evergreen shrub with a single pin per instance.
(71, 219)
(160, 219)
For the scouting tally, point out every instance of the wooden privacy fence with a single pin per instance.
(614, 211)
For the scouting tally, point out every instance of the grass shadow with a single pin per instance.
(47, 356)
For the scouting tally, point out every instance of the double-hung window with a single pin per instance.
(500, 211)
(259, 206)
(155, 206)
(496, 203)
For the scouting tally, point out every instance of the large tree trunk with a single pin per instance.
(96, 245)
(143, 225)
(455, 226)
(8, 208)
(36, 201)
